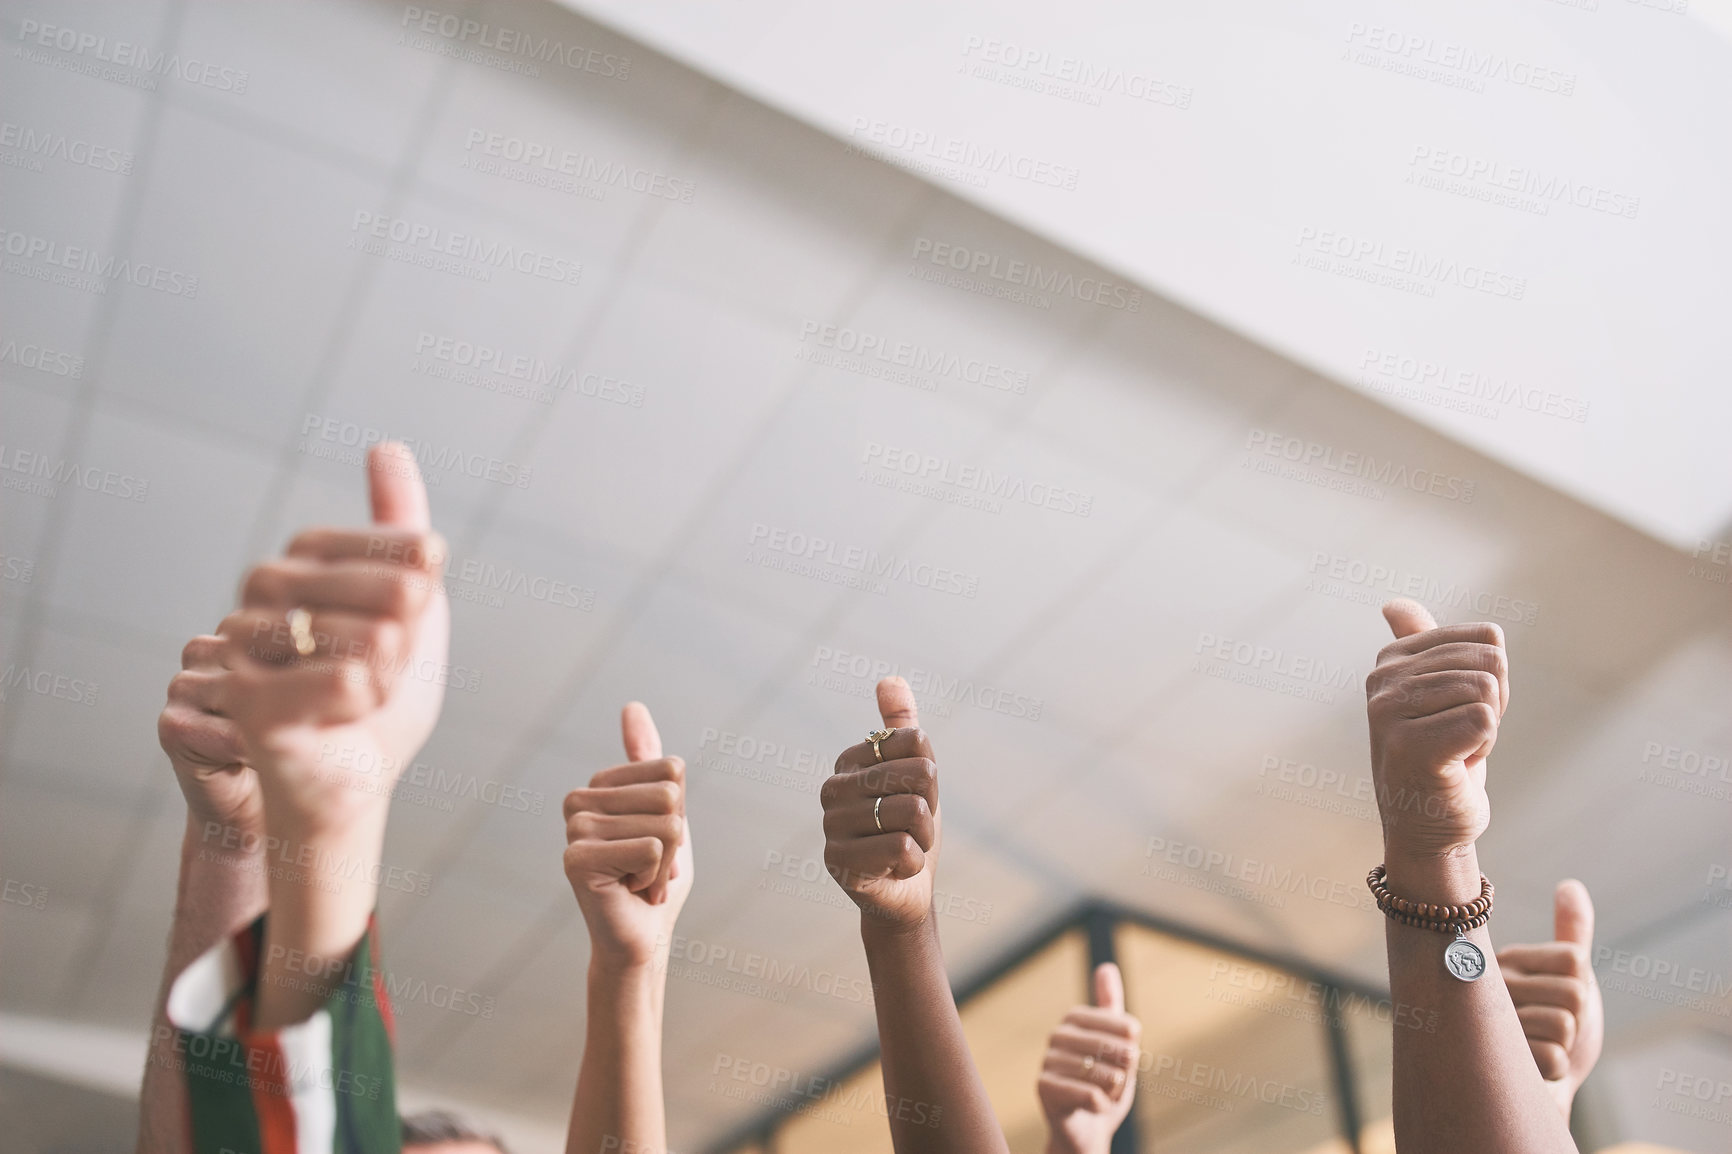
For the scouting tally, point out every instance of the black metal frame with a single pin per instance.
(1099, 920)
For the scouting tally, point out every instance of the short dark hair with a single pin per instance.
(430, 1127)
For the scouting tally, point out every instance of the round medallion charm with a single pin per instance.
(1464, 960)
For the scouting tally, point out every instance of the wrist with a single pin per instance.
(325, 859)
(878, 930)
(209, 838)
(1564, 1094)
(622, 971)
(337, 814)
(624, 989)
(245, 817)
(1448, 877)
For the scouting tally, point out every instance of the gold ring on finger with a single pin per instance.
(301, 631)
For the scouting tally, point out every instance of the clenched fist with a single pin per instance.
(628, 852)
(337, 653)
(1088, 1079)
(1435, 700)
(881, 824)
(204, 747)
(1557, 997)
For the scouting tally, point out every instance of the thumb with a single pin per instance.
(642, 741)
(896, 704)
(1109, 987)
(394, 483)
(1573, 913)
(1408, 617)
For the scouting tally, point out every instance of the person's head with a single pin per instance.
(442, 1132)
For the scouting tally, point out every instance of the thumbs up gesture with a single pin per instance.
(338, 651)
(881, 827)
(1556, 996)
(1434, 702)
(1088, 1079)
(628, 853)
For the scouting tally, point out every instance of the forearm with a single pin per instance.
(221, 889)
(1471, 1085)
(322, 896)
(933, 1094)
(618, 1104)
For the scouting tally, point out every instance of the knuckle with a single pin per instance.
(399, 596)
(371, 642)
(350, 688)
(261, 585)
(415, 550)
(308, 541)
(180, 687)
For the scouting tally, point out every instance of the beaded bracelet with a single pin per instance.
(1461, 957)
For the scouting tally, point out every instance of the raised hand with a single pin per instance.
(881, 835)
(222, 886)
(881, 821)
(628, 851)
(1434, 701)
(329, 729)
(1088, 1078)
(204, 747)
(628, 856)
(335, 673)
(1557, 997)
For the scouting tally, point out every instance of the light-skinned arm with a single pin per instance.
(882, 834)
(329, 731)
(222, 883)
(1088, 1077)
(1557, 996)
(628, 857)
(1435, 701)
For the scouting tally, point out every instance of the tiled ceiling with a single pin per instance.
(1069, 686)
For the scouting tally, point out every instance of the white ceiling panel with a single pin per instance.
(1479, 198)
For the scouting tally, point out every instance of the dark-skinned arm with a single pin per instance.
(1435, 701)
(882, 833)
